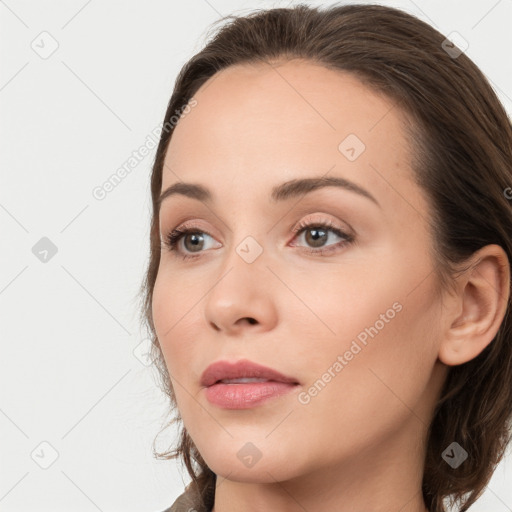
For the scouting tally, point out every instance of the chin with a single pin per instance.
(251, 465)
(259, 474)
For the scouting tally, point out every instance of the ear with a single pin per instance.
(475, 312)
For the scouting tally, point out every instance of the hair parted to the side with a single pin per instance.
(461, 140)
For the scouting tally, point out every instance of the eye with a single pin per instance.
(193, 240)
(316, 234)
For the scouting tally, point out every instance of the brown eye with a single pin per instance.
(316, 237)
(193, 242)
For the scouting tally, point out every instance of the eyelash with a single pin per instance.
(173, 238)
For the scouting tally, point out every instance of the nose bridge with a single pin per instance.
(245, 261)
(241, 289)
(247, 237)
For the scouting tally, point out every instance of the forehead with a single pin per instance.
(257, 125)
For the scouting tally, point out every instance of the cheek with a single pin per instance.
(337, 310)
(179, 347)
(173, 311)
(376, 310)
(374, 373)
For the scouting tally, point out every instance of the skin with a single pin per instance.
(358, 444)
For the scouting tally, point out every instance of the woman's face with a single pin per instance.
(351, 317)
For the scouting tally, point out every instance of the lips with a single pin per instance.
(229, 372)
(244, 384)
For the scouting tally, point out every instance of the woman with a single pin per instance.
(329, 282)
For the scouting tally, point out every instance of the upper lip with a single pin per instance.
(221, 370)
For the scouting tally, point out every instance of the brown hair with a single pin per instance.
(462, 144)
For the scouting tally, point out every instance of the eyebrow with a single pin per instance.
(282, 192)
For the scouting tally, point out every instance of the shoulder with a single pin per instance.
(189, 501)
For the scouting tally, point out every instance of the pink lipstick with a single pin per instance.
(244, 384)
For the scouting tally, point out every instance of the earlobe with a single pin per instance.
(478, 308)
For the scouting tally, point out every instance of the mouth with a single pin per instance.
(244, 384)
(242, 380)
(247, 394)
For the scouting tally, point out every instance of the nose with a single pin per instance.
(242, 297)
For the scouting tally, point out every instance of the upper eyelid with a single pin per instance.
(190, 224)
(304, 216)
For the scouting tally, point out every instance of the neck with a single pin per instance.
(383, 478)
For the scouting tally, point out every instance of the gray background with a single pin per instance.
(72, 366)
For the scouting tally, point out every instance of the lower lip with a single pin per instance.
(245, 396)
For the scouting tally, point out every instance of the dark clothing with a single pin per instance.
(189, 501)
